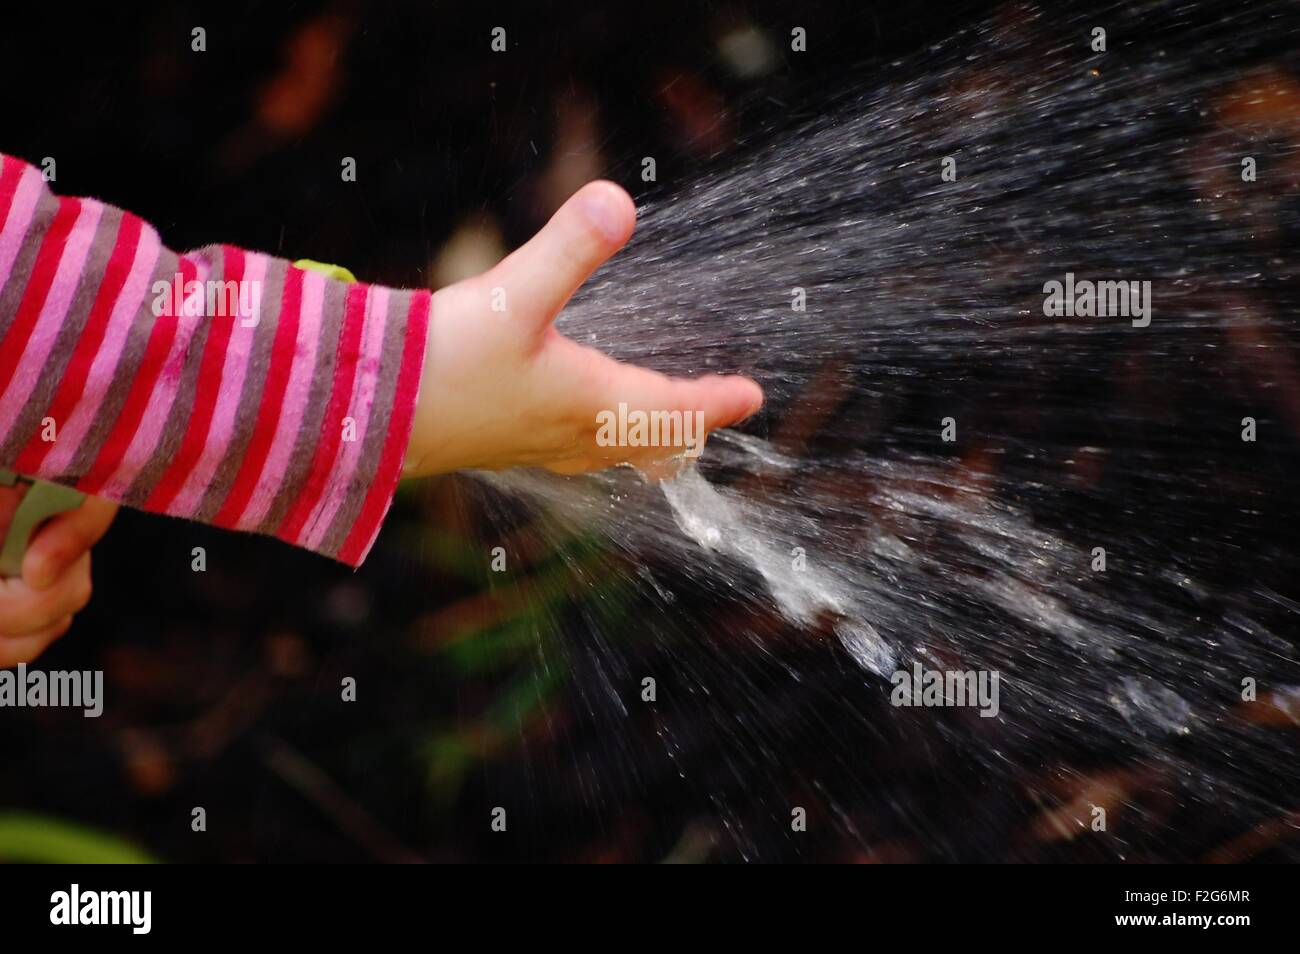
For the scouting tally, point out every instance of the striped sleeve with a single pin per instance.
(219, 385)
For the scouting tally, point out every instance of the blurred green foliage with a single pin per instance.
(38, 838)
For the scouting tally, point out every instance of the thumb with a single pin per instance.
(541, 275)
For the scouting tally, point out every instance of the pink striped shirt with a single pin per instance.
(219, 385)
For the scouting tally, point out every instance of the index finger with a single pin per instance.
(63, 539)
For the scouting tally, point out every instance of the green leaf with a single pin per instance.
(39, 838)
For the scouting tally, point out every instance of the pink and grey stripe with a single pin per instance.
(289, 415)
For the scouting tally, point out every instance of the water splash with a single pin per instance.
(845, 510)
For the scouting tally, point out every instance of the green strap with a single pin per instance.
(329, 271)
(41, 501)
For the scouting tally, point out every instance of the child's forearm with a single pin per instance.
(288, 416)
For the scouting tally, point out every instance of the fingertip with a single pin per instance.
(752, 397)
(48, 555)
(62, 540)
(733, 398)
(608, 207)
(40, 569)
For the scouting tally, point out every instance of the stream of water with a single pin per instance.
(1098, 507)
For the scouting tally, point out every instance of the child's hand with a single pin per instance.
(503, 388)
(37, 608)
